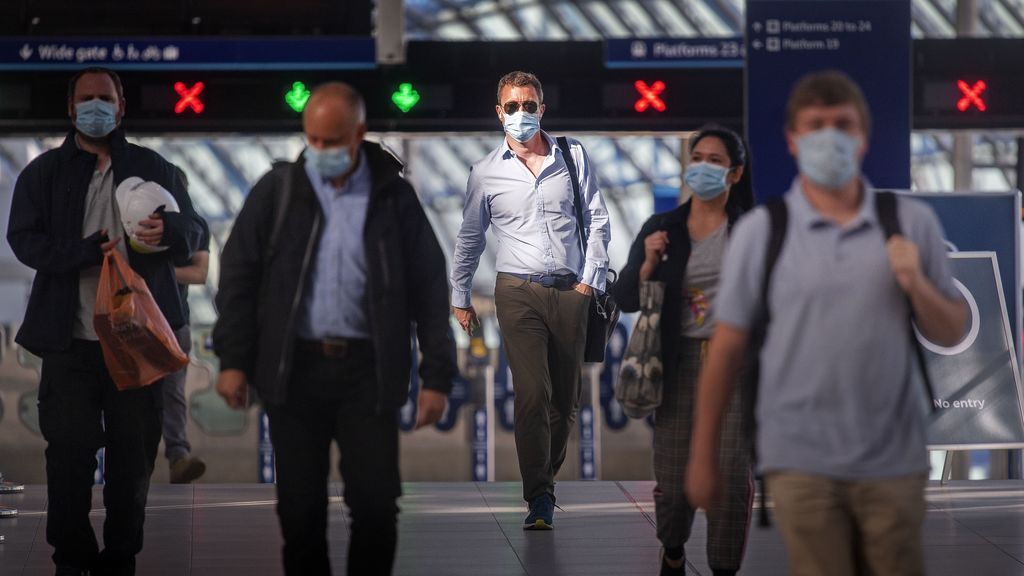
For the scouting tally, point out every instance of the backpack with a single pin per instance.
(778, 215)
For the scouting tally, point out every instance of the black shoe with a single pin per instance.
(542, 514)
(667, 570)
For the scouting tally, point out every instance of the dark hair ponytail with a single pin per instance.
(741, 194)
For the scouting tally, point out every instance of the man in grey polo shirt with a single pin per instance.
(841, 436)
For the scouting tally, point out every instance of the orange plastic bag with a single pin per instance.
(139, 346)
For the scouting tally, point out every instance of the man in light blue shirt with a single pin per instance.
(523, 189)
(840, 429)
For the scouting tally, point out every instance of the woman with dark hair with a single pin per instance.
(683, 248)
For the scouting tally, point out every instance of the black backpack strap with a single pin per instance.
(284, 196)
(778, 222)
(886, 208)
(570, 164)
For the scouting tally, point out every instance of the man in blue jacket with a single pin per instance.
(63, 218)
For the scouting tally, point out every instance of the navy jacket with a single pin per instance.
(261, 290)
(45, 233)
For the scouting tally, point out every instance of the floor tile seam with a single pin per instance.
(502, 529)
(35, 537)
(987, 541)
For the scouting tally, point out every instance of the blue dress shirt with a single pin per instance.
(335, 298)
(534, 219)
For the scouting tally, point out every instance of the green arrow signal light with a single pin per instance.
(405, 97)
(297, 97)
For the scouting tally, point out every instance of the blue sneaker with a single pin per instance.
(542, 514)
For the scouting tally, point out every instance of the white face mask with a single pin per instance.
(522, 126)
(828, 157)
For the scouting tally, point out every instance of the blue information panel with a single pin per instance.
(588, 450)
(867, 39)
(267, 469)
(614, 418)
(504, 394)
(335, 53)
(674, 53)
(479, 445)
(986, 222)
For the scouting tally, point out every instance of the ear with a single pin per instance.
(540, 110)
(500, 113)
(791, 143)
(121, 107)
(71, 110)
(734, 175)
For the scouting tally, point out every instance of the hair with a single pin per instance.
(343, 92)
(827, 88)
(95, 70)
(741, 194)
(520, 79)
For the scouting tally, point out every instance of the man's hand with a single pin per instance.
(905, 262)
(583, 289)
(701, 482)
(233, 387)
(109, 244)
(467, 318)
(151, 230)
(429, 407)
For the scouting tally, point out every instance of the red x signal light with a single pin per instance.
(649, 96)
(188, 97)
(971, 95)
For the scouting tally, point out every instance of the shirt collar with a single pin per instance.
(508, 153)
(805, 215)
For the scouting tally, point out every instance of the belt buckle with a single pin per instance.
(335, 348)
(547, 281)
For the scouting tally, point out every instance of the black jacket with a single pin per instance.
(45, 233)
(259, 301)
(672, 272)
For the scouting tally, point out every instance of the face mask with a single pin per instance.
(95, 118)
(828, 157)
(706, 180)
(329, 162)
(522, 126)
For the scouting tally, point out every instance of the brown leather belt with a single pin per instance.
(333, 347)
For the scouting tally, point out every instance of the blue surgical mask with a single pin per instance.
(706, 180)
(522, 126)
(329, 162)
(95, 118)
(828, 157)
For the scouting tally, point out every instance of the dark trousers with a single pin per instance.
(544, 330)
(331, 399)
(80, 410)
(729, 517)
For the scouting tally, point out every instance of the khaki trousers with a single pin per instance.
(850, 528)
(543, 330)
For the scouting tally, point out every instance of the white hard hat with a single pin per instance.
(137, 199)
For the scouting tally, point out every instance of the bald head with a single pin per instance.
(335, 116)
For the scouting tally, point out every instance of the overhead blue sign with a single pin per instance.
(335, 53)
(674, 53)
(868, 40)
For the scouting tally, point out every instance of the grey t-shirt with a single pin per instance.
(701, 286)
(839, 395)
(100, 212)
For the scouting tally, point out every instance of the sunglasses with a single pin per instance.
(511, 107)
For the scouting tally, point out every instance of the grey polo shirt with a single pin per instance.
(837, 396)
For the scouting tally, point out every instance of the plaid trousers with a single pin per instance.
(729, 518)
